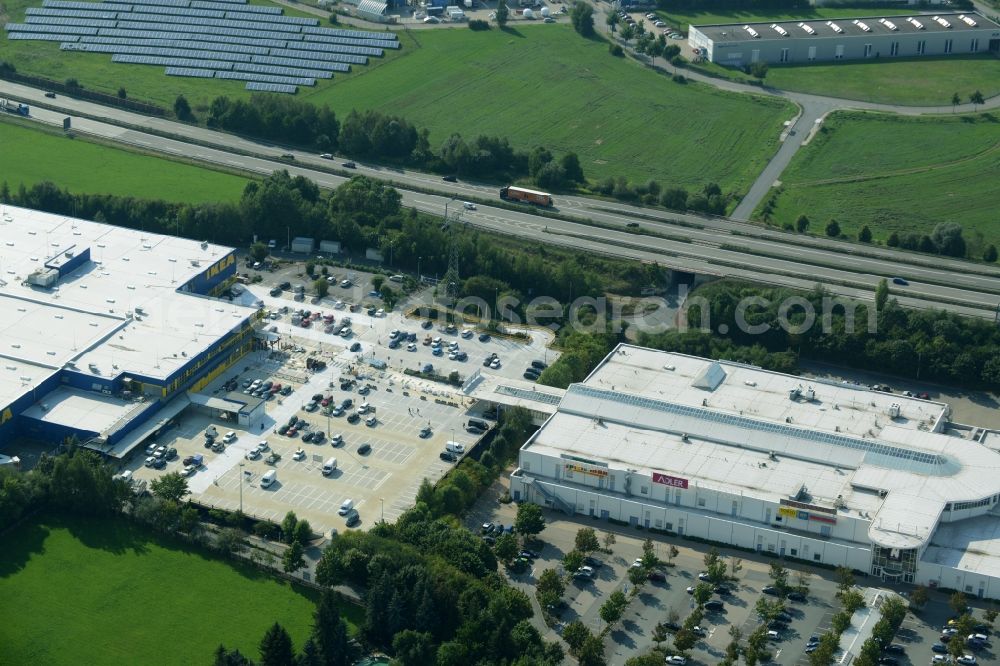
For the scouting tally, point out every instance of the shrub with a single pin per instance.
(616, 50)
(478, 24)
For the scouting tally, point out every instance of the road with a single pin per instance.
(713, 246)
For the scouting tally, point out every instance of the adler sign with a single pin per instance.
(666, 480)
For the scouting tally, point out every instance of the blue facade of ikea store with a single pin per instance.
(220, 355)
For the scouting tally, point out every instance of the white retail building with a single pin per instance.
(824, 472)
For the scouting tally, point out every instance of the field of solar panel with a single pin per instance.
(207, 47)
(32, 155)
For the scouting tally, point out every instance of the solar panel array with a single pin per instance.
(222, 39)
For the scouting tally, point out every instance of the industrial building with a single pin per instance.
(824, 472)
(106, 331)
(864, 38)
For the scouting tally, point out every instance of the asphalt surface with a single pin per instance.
(713, 246)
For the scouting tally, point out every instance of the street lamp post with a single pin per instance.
(381, 501)
(241, 487)
(419, 280)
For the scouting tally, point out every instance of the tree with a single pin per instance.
(503, 14)
(801, 224)
(303, 532)
(758, 70)
(330, 632)
(735, 567)
(288, 527)
(990, 254)
(506, 548)
(413, 648)
(591, 653)
(976, 99)
(582, 18)
(575, 634)
(609, 540)
(258, 251)
(612, 19)
(611, 610)
(586, 540)
(572, 171)
(550, 587)
(702, 593)
(170, 487)
(276, 647)
(627, 33)
(530, 520)
(959, 603)
(659, 634)
(919, 596)
(224, 657)
(715, 566)
(845, 577)
(990, 615)
(865, 235)
(377, 282)
(637, 576)
(955, 101)
(881, 294)
(852, 600)
(779, 575)
(802, 583)
(833, 229)
(182, 109)
(947, 239)
(893, 240)
(649, 558)
(672, 552)
(293, 560)
(322, 287)
(573, 560)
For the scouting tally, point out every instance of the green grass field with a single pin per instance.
(896, 173)
(910, 81)
(103, 592)
(32, 155)
(544, 85)
(95, 71)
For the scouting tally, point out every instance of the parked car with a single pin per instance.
(676, 659)
(447, 179)
(364, 449)
(350, 165)
(770, 589)
(714, 605)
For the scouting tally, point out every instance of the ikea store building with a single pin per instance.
(104, 330)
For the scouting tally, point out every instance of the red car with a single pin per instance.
(325, 402)
(292, 432)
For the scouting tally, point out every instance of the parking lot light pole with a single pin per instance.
(381, 501)
(241, 487)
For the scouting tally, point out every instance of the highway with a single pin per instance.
(714, 246)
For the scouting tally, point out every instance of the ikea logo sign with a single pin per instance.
(6, 415)
(220, 266)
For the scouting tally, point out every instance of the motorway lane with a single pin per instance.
(702, 255)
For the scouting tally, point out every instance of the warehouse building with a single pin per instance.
(865, 38)
(819, 471)
(105, 330)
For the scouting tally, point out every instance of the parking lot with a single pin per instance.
(382, 482)
(633, 634)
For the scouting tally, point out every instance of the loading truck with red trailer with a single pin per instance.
(512, 193)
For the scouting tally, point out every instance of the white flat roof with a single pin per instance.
(81, 410)
(120, 311)
(732, 427)
(969, 545)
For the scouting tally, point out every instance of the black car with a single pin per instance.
(448, 456)
(888, 661)
(364, 449)
(484, 337)
(427, 325)
(318, 437)
(353, 418)
(282, 430)
(770, 589)
(50, 95)
(349, 165)
(285, 286)
(353, 519)
(797, 596)
(714, 605)
(529, 554)
(531, 376)
(347, 403)
(489, 539)
(541, 365)
(722, 590)
(356, 347)
(940, 648)
(171, 454)
(307, 437)
(894, 647)
(593, 562)
(209, 441)
(292, 421)
(450, 179)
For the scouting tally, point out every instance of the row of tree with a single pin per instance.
(375, 135)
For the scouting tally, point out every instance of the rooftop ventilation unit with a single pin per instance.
(894, 410)
(204, 245)
(810, 394)
(778, 29)
(808, 28)
(750, 31)
(942, 22)
(836, 28)
(968, 20)
(889, 24)
(793, 394)
(915, 23)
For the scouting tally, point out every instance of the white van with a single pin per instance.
(329, 466)
(454, 447)
(269, 478)
(346, 507)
